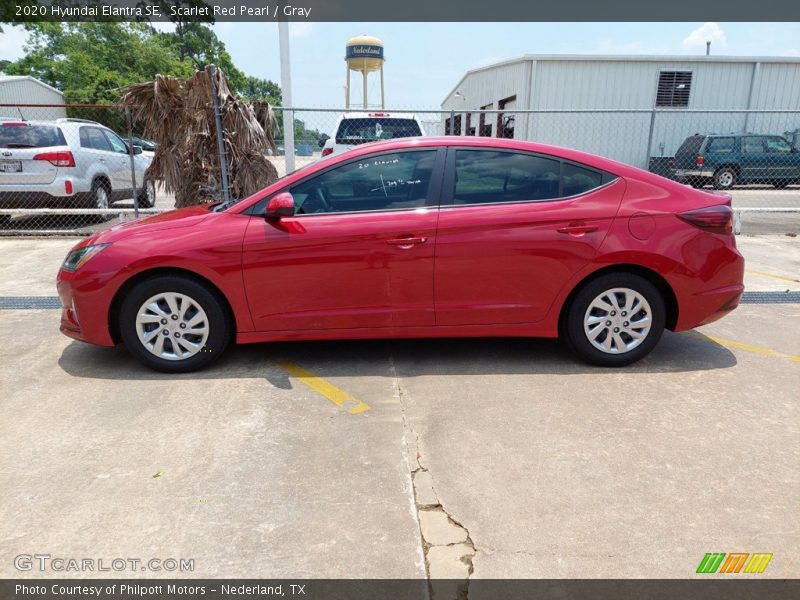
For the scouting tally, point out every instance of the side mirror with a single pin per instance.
(280, 205)
(137, 149)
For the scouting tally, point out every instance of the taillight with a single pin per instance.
(718, 219)
(700, 161)
(59, 159)
(327, 151)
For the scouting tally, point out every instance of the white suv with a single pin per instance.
(357, 128)
(68, 163)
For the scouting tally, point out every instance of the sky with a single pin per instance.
(424, 61)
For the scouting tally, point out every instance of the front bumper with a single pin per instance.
(84, 314)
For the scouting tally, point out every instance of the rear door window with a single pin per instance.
(30, 136)
(484, 176)
(93, 138)
(753, 145)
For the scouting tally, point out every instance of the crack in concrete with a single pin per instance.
(446, 579)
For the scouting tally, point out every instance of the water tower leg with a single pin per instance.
(366, 74)
(347, 91)
(383, 103)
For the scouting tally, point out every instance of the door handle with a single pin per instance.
(577, 229)
(406, 242)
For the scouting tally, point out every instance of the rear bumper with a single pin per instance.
(708, 296)
(684, 173)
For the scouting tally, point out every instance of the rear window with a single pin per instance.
(363, 130)
(691, 145)
(30, 136)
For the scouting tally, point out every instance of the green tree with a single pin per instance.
(89, 62)
(264, 90)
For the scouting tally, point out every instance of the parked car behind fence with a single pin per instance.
(70, 163)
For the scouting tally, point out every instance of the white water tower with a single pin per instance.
(364, 54)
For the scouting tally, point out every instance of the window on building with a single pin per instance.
(674, 88)
(505, 121)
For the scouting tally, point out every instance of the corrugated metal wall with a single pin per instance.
(631, 84)
(25, 91)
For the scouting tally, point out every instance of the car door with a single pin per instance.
(119, 162)
(358, 252)
(755, 163)
(513, 228)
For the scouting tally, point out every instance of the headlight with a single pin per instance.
(80, 256)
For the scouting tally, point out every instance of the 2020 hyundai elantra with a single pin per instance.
(414, 238)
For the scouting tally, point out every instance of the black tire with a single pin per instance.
(725, 178)
(573, 326)
(144, 197)
(219, 326)
(95, 200)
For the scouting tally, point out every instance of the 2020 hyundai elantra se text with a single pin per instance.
(414, 238)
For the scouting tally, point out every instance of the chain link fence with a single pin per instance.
(80, 168)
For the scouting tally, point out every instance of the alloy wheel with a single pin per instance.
(172, 326)
(617, 320)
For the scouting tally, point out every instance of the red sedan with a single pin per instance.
(413, 238)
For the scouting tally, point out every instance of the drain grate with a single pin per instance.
(770, 298)
(29, 302)
(39, 302)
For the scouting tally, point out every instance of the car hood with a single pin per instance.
(174, 219)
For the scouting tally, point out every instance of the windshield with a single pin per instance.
(370, 129)
(30, 136)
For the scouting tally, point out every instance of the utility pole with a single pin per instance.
(286, 94)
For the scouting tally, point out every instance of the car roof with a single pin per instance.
(378, 114)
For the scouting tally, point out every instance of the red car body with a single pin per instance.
(480, 270)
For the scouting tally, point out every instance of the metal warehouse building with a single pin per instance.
(629, 108)
(24, 89)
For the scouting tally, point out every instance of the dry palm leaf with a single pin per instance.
(178, 114)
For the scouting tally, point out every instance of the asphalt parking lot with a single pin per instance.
(403, 459)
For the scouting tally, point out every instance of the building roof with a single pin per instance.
(12, 78)
(661, 58)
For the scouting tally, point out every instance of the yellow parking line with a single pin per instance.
(742, 346)
(772, 275)
(336, 395)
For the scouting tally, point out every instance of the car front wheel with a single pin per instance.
(615, 320)
(174, 324)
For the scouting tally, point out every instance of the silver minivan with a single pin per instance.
(70, 163)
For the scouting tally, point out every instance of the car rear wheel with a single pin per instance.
(174, 324)
(724, 178)
(100, 196)
(615, 320)
(147, 195)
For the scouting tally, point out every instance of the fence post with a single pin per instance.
(133, 166)
(452, 127)
(286, 96)
(650, 139)
(223, 158)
